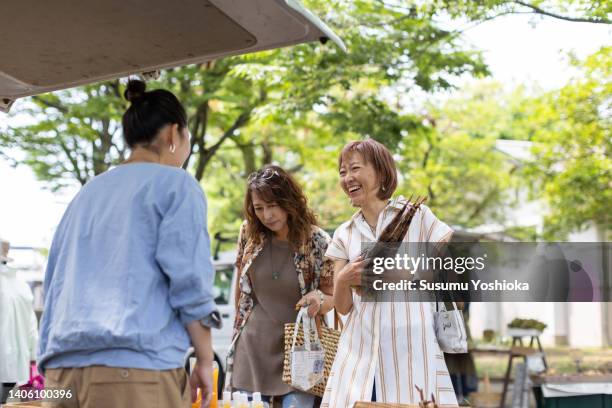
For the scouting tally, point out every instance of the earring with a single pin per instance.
(382, 188)
(172, 148)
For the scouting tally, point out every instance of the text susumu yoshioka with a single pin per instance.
(477, 271)
(408, 285)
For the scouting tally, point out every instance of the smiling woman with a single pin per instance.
(367, 171)
(372, 362)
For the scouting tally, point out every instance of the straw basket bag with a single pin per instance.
(328, 338)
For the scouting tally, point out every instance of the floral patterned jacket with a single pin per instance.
(313, 270)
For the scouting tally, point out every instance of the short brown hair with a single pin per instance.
(274, 184)
(381, 159)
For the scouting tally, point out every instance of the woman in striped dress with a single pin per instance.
(387, 349)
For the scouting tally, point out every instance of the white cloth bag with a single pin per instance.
(450, 329)
(306, 361)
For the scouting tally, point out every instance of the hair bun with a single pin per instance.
(135, 90)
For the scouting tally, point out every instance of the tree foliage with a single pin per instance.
(386, 46)
(74, 134)
(580, 11)
(567, 164)
(297, 106)
(573, 148)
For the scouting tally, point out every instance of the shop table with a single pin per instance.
(573, 391)
(518, 350)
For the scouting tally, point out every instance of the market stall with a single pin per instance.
(585, 390)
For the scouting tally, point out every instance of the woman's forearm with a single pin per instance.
(328, 298)
(327, 305)
(201, 339)
(343, 298)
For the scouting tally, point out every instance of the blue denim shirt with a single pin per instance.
(128, 268)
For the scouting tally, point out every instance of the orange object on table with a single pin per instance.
(198, 401)
(215, 398)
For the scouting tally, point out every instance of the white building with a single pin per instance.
(574, 324)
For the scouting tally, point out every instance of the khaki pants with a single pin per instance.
(101, 387)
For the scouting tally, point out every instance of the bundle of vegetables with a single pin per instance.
(396, 230)
(391, 238)
(398, 227)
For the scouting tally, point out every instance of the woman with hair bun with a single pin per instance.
(129, 278)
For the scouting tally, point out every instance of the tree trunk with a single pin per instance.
(267, 152)
(198, 133)
(205, 155)
(248, 157)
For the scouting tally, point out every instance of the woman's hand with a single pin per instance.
(312, 300)
(201, 377)
(350, 274)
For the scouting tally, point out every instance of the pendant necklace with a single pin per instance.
(372, 228)
(275, 273)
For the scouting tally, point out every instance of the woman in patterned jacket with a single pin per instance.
(387, 349)
(281, 265)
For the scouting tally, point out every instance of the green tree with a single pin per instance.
(298, 106)
(295, 106)
(572, 168)
(74, 135)
(568, 167)
(580, 11)
(386, 46)
(453, 158)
